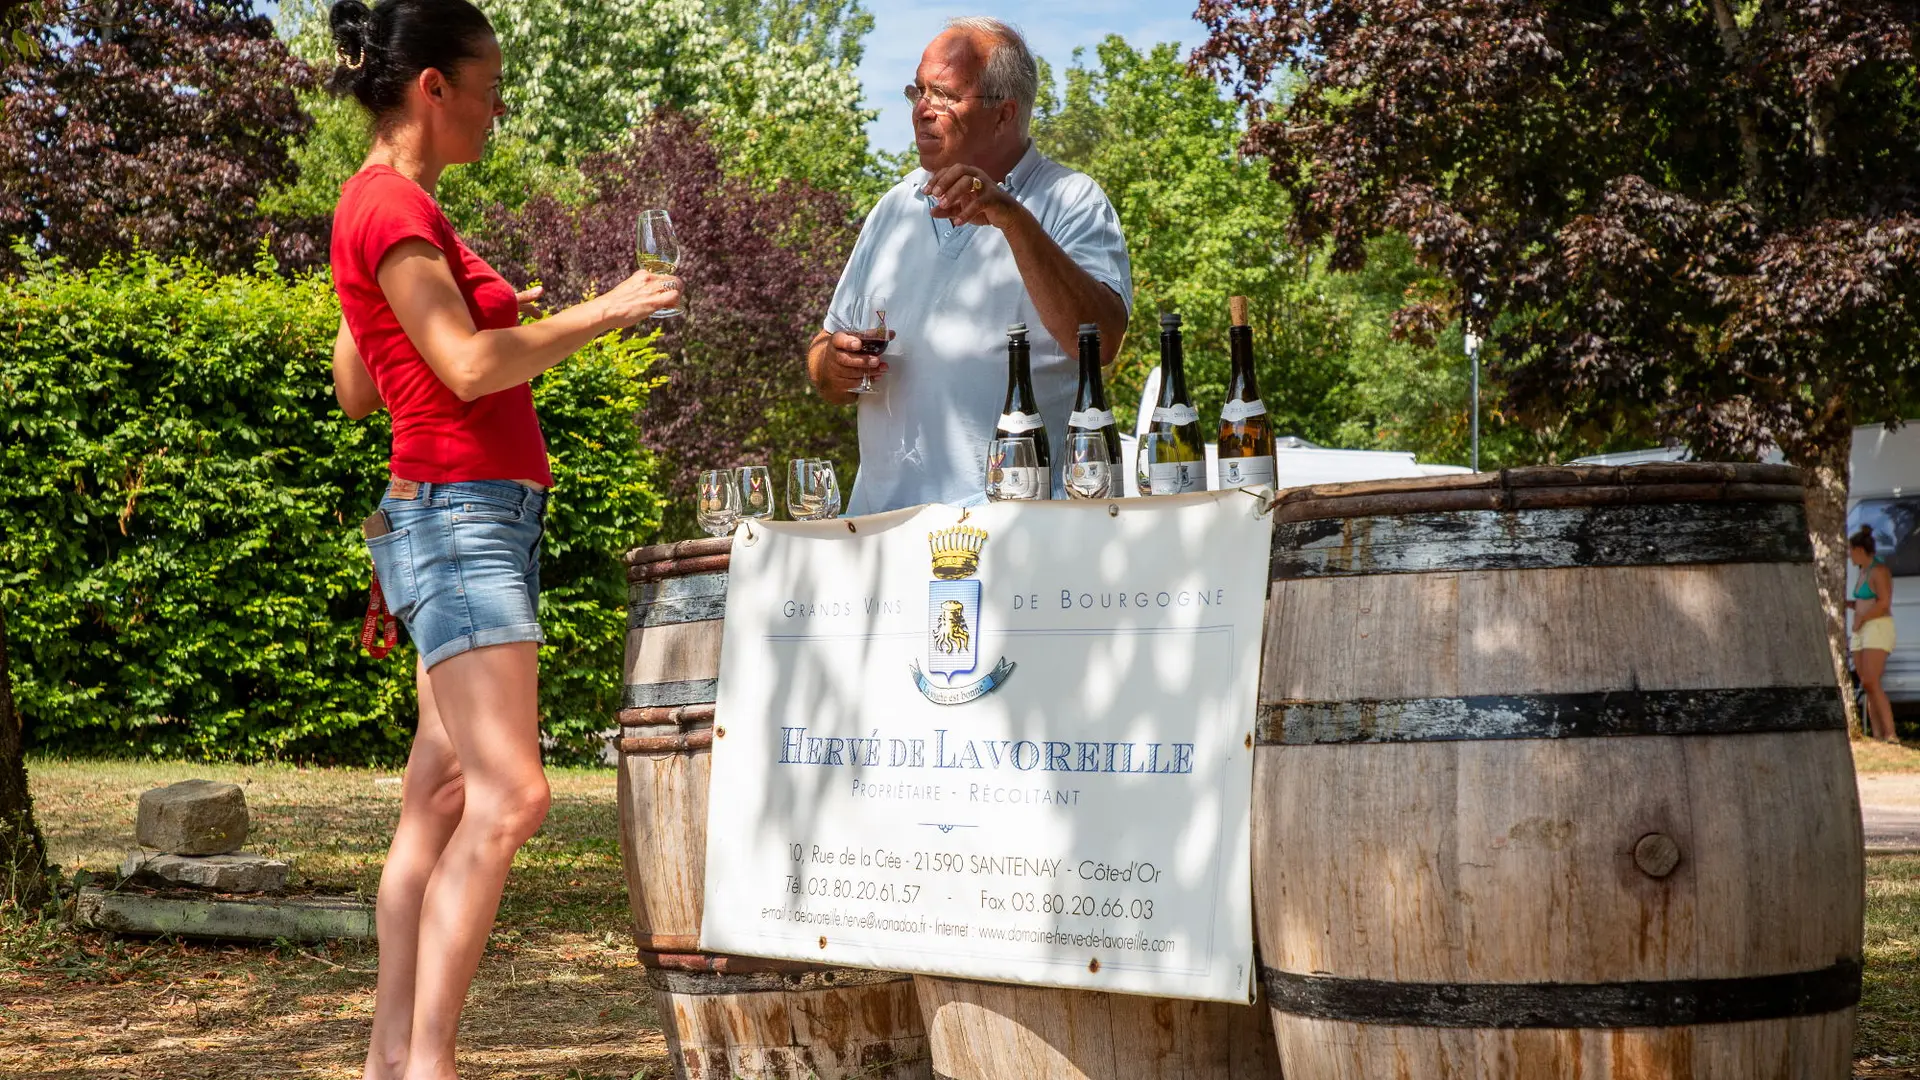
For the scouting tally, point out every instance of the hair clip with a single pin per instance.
(348, 62)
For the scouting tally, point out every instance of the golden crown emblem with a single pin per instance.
(956, 551)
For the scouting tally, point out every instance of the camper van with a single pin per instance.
(1883, 490)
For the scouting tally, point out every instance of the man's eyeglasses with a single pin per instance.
(940, 100)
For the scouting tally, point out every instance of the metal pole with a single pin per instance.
(1473, 354)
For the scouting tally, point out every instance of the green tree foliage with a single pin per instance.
(182, 570)
(1696, 218)
(1204, 222)
(772, 84)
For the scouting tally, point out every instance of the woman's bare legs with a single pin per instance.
(430, 802)
(1871, 665)
(488, 701)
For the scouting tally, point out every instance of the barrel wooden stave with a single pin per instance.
(1330, 1050)
(1407, 890)
(726, 1018)
(869, 1031)
(993, 1031)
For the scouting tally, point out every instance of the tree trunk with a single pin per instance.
(1827, 526)
(23, 855)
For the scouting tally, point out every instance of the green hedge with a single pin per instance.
(181, 564)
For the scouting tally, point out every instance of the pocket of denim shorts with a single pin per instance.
(393, 565)
(469, 508)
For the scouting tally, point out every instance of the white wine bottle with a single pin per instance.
(1020, 416)
(1090, 411)
(1246, 435)
(1179, 463)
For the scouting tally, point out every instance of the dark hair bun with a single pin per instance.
(380, 51)
(1862, 538)
(350, 21)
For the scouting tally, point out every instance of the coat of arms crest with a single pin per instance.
(953, 619)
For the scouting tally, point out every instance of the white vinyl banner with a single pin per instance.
(1012, 743)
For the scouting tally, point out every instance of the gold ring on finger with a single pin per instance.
(977, 185)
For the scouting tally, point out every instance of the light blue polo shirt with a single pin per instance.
(952, 292)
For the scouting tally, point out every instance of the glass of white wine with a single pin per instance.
(658, 248)
(719, 507)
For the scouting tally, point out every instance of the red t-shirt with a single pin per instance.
(437, 438)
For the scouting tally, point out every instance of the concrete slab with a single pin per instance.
(264, 919)
(240, 872)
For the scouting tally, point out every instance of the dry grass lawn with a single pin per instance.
(559, 995)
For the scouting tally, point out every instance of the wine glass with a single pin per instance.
(719, 507)
(1146, 454)
(828, 485)
(808, 490)
(658, 248)
(1013, 470)
(756, 492)
(865, 317)
(1090, 472)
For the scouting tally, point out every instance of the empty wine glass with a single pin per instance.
(1013, 470)
(1143, 463)
(812, 494)
(829, 485)
(719, 507)
(658, 248)
(756, 492)
(1090, 473)
(865, 317)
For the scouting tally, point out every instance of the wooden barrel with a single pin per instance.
(726, 1017)
(998, 1031)
(1553, 782)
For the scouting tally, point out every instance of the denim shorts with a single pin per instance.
(461, 567)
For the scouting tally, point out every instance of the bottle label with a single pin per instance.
(1176, 415)
(1090, 419)
(1017, 422)
(1246, 472)
(1242, 410)
(1022, 482)
(1176, 477)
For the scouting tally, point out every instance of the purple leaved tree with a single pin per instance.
(149, 123)
(759, 263)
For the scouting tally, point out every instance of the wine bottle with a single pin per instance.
(1179, 463)
(1090, 412)
(1020, 416)
(1246, 435)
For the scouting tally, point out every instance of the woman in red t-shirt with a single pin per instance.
(431, 332)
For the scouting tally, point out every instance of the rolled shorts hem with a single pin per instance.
(480, 639)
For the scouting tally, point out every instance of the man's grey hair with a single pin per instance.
(1010, 72)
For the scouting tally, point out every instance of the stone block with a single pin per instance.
(193, 817)
(239, 872)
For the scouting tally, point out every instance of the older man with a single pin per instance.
(985, 233)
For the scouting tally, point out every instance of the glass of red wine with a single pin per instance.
(865, 317)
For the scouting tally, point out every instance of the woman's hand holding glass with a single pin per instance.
(639, 298)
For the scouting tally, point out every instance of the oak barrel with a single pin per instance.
(1553, 781)
(725, 1017)
(999, 1031)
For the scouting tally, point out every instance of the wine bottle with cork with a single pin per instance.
(1246, 435)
